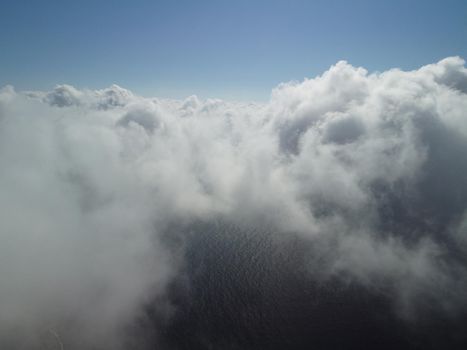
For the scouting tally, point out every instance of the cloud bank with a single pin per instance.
(370, 168)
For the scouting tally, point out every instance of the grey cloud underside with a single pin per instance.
(368, 168)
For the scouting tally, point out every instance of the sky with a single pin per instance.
(224, 49)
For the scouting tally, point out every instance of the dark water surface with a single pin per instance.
(251, 289)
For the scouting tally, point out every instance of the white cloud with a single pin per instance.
(370, 166)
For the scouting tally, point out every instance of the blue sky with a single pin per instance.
(227, 49)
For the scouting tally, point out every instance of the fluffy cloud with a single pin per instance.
(66, 96)
(370, 168)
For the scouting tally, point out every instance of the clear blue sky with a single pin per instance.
(236, 49)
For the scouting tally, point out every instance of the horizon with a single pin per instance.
(70, 88)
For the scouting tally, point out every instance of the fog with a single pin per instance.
(369, 169)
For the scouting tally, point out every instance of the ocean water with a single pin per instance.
(243, 288)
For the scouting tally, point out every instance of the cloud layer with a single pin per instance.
(370, 168)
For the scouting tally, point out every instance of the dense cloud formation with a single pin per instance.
(369, 168)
